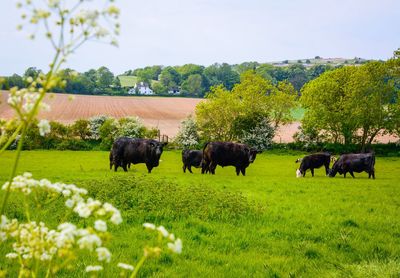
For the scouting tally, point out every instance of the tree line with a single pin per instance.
(190, 79)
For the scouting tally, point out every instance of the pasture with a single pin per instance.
(266, 224)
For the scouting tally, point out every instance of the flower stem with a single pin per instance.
(138, 266)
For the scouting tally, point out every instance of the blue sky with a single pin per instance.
(176, 32)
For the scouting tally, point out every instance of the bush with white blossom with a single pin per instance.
(188, 136)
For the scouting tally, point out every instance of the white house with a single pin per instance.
(141, 88)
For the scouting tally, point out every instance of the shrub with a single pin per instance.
(187, 136)
(95, 123)
(260, 136)
(81, 128)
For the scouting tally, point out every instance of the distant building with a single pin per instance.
(174, 91)
(141, 88)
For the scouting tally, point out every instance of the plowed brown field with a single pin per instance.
(163, 113)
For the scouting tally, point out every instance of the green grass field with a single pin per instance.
(267, 224)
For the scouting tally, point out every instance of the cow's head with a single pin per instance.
(335, 169)
(298, 173)
(156, 148)
(252, 154)
(299, 160)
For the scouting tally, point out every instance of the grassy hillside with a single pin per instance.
(267, 224)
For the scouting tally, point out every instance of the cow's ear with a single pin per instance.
(152, 144)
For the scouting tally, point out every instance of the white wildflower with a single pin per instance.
(116, 218)
(100, 226)
(171, 237)
(93, 268)
(44, 127)
(163, 231)
(69, 203)
(149, 226)
(126, 266)
(12, 255)
(83, 210)
(103, 254)
(89, 242)
(176, 247)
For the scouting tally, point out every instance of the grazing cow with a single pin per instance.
(131, 150)
(313, 161)
(227, 154)
(354, 163)
(116, 153)
(191, 158)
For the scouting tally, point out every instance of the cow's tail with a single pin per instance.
(205, 145)
(372, 165)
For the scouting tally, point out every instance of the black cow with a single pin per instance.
(116, 153)
(131, 150)
(354, 163)
(313, 161)
(191, 158)
(227, 154)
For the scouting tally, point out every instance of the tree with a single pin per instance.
(372, 92)
(193, 85)
(215, 116)
(104, 78)
(324, 100)
(297, 75)
(189, 69)
(221, 74)
(228, 115)
(32, 72)
(170, 78)
(346, 102)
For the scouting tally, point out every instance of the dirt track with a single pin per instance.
(161, 112)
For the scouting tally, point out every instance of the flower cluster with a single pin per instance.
(75, 198)
(23, 101)
(80, 21)
(175, 245)
(35, 241)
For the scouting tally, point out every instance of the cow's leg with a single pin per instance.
(304, 174)
(129, 165)
(312, 172)
(237, 171)
(344, 174)
(243, 171)
(184, 168)
(212, 167)
(352, 174)
(124, 167)
(373, 173)
(149, 168)
(204, 167)
(327, 169)
(190, 169)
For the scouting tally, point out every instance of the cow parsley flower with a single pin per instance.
(94, 268)
(149, 226)
(100, 226)
(163, 231)
(103, 254)
(126, 266)
(176, 247)
(12, 256)
(44, 127)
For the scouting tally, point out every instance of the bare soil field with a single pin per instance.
(164, 113)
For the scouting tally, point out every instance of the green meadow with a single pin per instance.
(266, 224)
